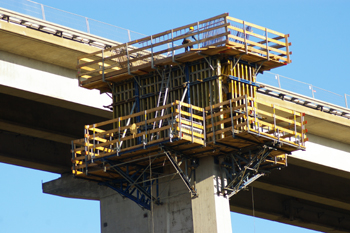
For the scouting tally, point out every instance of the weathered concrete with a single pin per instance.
(211, 211)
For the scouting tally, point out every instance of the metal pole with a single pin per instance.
(346, 101)
(87, 25)
(312, 91)
(278, 80)
(129, 35)
(43, 11)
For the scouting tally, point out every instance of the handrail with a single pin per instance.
(217, 31)
(181, 123)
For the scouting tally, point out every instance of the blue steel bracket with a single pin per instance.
(242, 169)
(129, 185)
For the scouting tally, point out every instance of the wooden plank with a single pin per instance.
(277, 107)
(189, 105)
(188, 114)
(225, 129)
(280, 128)
(227, 120)
(195, 125)
(224, 112)
(225, 102)
(187, 131)
(195, 140)
(258, 51)
(282, 119)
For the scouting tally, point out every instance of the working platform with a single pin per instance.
(221, 35)
(243, 126)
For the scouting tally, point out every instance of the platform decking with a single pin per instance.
(222, 34)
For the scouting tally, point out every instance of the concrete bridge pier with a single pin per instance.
(178, 213)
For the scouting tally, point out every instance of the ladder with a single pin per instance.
(162, 98)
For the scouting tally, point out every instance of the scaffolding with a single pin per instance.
(170, 108)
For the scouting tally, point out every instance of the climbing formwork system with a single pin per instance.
(171, 108)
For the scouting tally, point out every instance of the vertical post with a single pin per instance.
(43, 11)
(198, 39)
(128, 56)
(312, 91)
(287, 48)
(274, 119)
(295, 126)
(94, 141)
(87, 25)
(231, 115)
(152, 58)
(246, 111)
(211, 112)
(180, 126)
(145, 142)
(220, 93)
(86, 142)
(172, 122)
(137, 100)
(187, 74)
(118, 149)
(103, 67)
(73, 157)
(245, 38)
(278, 80)
(191, 121)
(255, 119)
(302, 128)
(226, 28)
(346, 101)
(204, 128)
(129, 35)
(267, 45)
(172, 45)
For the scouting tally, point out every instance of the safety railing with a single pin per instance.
(161, 48)
(71, 20)
(255, 39)
(277, 122)
(246, 114)
(305, 89)
(181, 121)
(150, 49)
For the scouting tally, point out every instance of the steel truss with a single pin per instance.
(135, 181)
(244, 167)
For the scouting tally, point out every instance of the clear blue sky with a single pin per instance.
(319, 35)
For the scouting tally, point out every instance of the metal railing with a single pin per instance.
(303, 88)
(71, 20)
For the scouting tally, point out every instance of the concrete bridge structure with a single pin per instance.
(43, 109)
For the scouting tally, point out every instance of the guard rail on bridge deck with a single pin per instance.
(263, 47)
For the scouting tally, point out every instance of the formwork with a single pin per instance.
(172, 107)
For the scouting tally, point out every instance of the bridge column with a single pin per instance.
(210, 210)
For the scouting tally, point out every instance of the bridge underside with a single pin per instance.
(319, 200)
(314, 202)
(36, 131)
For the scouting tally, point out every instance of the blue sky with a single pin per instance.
(319, 35)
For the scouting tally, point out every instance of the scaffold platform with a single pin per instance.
(233, 126)
(225, 35)
(171, 108)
